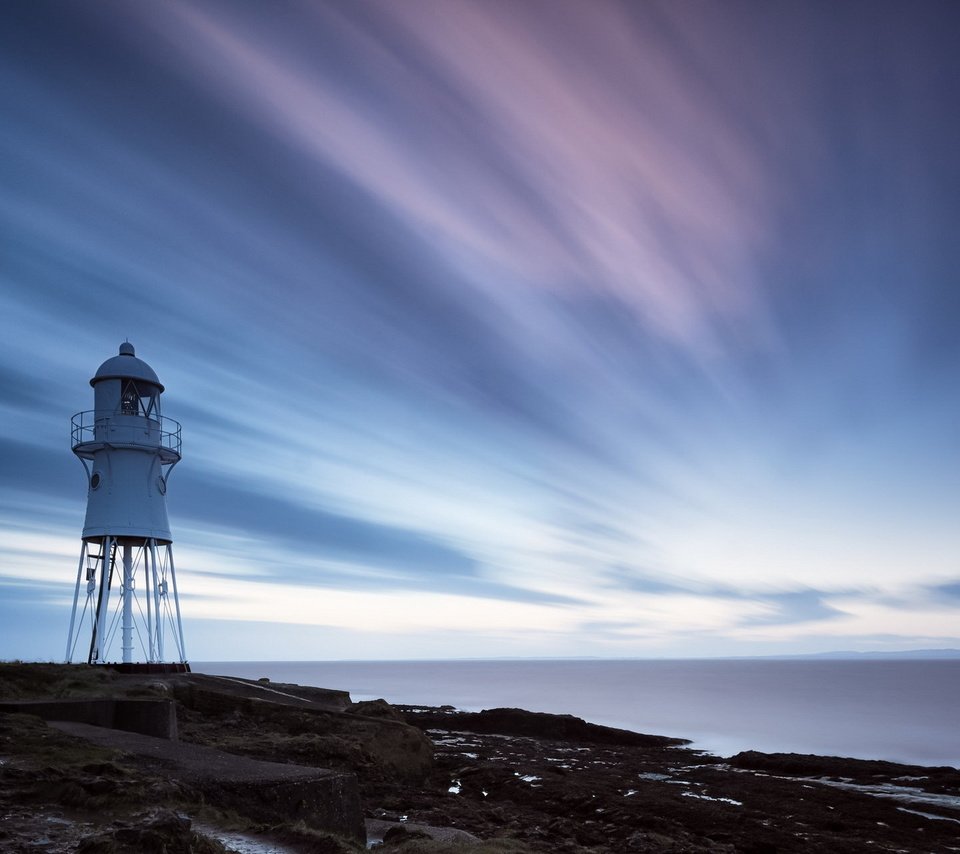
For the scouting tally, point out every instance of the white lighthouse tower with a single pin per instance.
(128, 450)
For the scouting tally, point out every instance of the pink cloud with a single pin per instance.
(604, 163)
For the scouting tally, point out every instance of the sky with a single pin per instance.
(495, 329)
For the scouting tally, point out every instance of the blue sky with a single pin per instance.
(496, 329)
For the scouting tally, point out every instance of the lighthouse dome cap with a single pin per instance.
(126, 366)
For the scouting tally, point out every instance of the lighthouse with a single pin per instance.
(126, 594)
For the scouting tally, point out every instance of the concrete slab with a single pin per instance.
(263, 791)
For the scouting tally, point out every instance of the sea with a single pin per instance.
(899, 710)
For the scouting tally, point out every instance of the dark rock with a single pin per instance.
(861, 770)
(536, 725)
(399, 835)
(369, 739)
(526, 782)
(163, 832)
(649, 797)
(376, 709)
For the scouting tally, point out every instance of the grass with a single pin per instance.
(29, 740)
(19, 681)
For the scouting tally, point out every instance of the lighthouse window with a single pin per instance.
(139, 400)
(130, 401)
(95, 480)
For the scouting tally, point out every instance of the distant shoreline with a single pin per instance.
(900, 710)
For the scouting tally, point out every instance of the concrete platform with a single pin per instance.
(263, 791)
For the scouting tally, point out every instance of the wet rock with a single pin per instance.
(569, 793)
(162, 832)
(399, 835)
(534, 724)
(806, 765)
(376, 709)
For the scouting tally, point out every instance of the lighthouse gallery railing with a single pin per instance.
(89, 428)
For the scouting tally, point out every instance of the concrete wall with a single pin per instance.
(329, 801)
(148, 717)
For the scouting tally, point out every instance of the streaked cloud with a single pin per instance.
(617, 331)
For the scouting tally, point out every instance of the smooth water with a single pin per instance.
(901, 710)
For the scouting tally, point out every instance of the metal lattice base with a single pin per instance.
(143, 624)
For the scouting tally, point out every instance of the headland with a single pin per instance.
(101, 762)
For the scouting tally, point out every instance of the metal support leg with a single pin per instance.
(150, 569)
(158, 591)
(76, 599)
(103, 602)
(176, 602)
(127, 626)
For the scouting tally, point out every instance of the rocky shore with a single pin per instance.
(255, 767)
